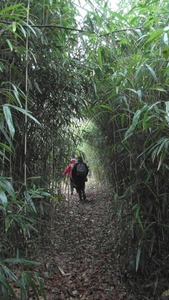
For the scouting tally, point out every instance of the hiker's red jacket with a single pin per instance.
(68, 169)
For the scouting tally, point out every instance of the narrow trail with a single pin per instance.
(80, 262)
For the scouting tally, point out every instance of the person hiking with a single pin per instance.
(68, 170)
(79, 174)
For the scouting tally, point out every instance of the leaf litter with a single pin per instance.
(78, 258)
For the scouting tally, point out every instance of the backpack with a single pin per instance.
(81, 170)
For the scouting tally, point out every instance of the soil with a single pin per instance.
(80, 254)
(78, 259)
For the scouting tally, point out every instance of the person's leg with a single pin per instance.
(77, 185)
(84, 194)
(78, 190)
(83, 189)
(80, 195)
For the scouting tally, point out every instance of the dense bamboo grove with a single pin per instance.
(111, 69)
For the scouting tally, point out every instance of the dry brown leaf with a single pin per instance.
(62, 272)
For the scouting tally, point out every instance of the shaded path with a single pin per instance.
(80, 263)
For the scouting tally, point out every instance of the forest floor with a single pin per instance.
(77, 247)
(79, 261)
(78, 252)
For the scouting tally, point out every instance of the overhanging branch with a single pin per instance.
(76, 29)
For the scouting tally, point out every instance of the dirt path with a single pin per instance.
(79, 263)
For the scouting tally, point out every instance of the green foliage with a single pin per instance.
(19, 208)
(19, 218)
(57, 87)
(131, 117)
(114, 71)
(8, 280)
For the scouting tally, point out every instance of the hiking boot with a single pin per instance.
(80, 196)
(83, 195)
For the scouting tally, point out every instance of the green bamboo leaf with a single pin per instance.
(10, 44)
(10, 29)
(138, 31)
(134, 206)
(138, 257)
(159, 89)
(153, 106)
(134, 123)
(163, 146)
(138, 70)
(167, 70)
(146, 120)
(25, 112)
(9, 273)
(6, 147)
(156, 35)
(161, 160)
(137, 211)
(3, 198)
(5, 286)
(156, 149)
(4, 131)
(14, 26)
(152, 244)
(100, 59)
(165, 293)
(7, 222)
(132, 90)
(9, 121)
(22, 30)
(2, 154)
(16, 91)
(37, 87)
(17, 94)
(139, 93)
(134, 20)
(6, 185)
(10, 8)
(119, 16)
(29, 26)
(33, 281)
(21, 260)
(165, 52)
(167, 107)
(165, 38)
(55, 199)
(140, 222)
(107, 107)
(166, 28)
(30, 202)
(2, 67)
(152, 72)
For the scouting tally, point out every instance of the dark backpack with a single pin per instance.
(81, 170)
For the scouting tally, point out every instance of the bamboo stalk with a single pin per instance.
(26, 100)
